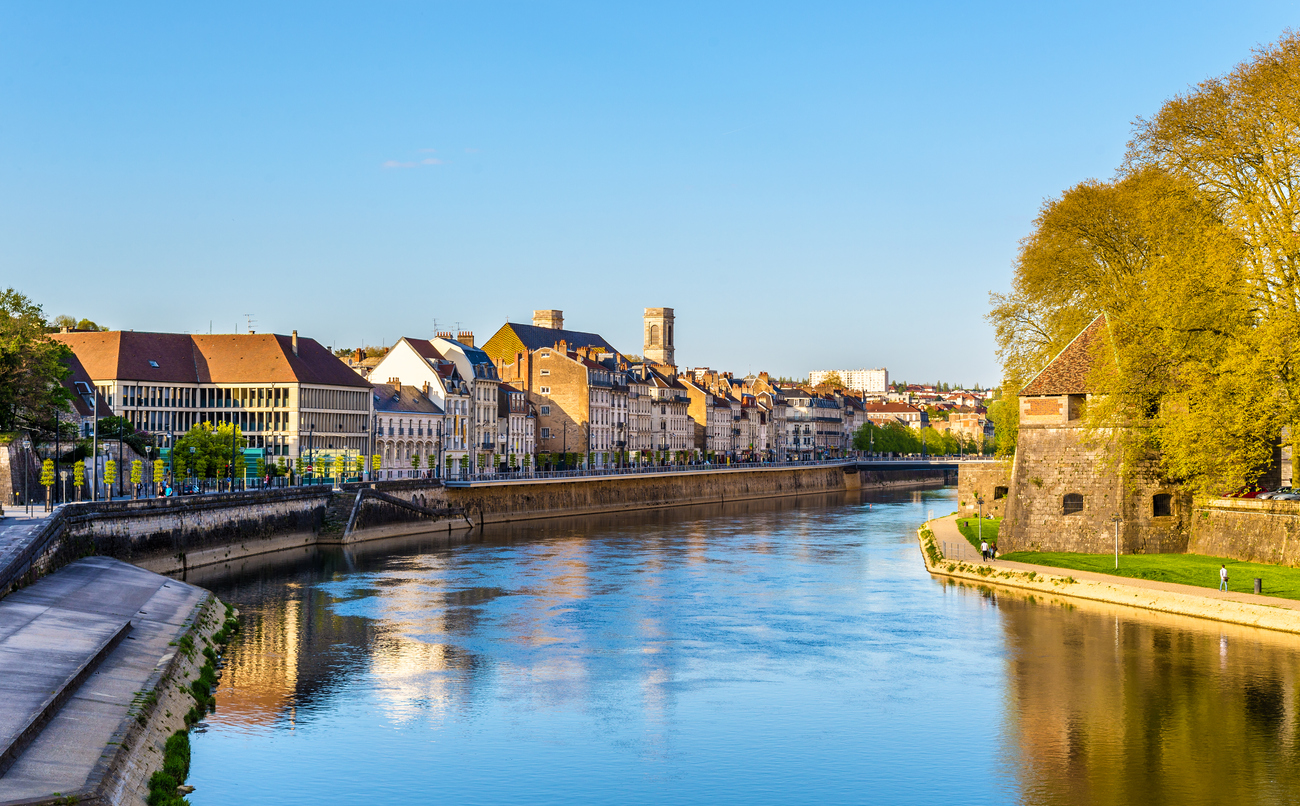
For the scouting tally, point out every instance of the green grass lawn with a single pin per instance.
(1185, 569)
(970, 529)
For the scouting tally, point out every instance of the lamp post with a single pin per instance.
(27, 461)
(63, 485)
(148, 455)
(1115, 518)
(979, 524)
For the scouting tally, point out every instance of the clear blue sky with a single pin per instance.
(809, 185)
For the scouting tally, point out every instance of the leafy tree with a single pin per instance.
(834, 381)
(375, 463)
(47, 478)
(415, 460)
(137, 475)
(1233, 138)
(212, 449)
(110, 476)
(1151, 251)
(159, 470)
(32, 367)
(79, 476)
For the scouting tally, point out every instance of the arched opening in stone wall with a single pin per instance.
(1072, 503)
(999, 492)
(1162, 505)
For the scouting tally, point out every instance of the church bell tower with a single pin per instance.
(658, 336)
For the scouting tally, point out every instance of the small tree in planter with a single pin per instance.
(137, 476)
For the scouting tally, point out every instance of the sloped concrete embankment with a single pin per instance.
(1270, 617)
(100, 734)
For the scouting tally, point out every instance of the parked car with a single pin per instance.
(1274, 493)
(1293, 495)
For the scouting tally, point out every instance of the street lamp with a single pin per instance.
(27, 462)
(1115, 518)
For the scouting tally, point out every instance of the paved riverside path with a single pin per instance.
(953, 545)
(50, 629)
(945, 529)
(16, 530)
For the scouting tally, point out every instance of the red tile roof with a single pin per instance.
(226, 358)
(1067, 373)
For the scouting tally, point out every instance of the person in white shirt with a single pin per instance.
(984, 550)
(1223, 577)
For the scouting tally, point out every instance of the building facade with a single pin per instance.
(287, 396)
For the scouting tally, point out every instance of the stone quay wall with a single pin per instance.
(172, 535)
(990, 481)
(1247, 529)
(546, 498)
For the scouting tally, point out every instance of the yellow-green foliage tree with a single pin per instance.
(79, 476)
(110, 476)
(1193, 252)
(159, 470)
(212, 450)
(47, 478)
(137, 475)
(374, 463)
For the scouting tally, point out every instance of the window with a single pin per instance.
(546, 409)
(1072, 503)
(546, 390)
(546, 372)
(1162, 505)
(546, 433)
(999, 492)
(154, 364)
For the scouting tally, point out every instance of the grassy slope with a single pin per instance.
(970, 529)
(1185, 569)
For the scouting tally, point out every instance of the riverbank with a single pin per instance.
(1164, 597)
(100, 656)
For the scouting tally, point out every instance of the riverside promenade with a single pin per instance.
(1268, 612)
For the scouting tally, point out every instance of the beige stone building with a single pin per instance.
(287, 395)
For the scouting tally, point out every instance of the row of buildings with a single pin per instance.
(529, 395)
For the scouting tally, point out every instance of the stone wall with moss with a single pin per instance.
(1053, 462)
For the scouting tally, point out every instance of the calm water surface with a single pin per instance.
(765, 653)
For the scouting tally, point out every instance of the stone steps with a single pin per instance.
(34, 685)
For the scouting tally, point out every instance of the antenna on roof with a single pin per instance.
(435, 326)
(249, 317)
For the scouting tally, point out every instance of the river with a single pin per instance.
(793, 651)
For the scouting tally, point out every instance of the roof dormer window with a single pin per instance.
(153, 364)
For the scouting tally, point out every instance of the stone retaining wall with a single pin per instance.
(1247, 529)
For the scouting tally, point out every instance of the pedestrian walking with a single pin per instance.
(984, 550)
(993, 551)
(1223, 577)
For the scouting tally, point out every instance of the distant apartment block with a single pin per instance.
(870, 381)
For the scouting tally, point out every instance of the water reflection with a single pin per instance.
(1113, 706)
(780, 651)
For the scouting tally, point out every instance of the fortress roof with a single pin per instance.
(1067, 373)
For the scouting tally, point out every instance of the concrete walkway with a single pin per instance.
(16, 530)
(952, 543)
(54, 627)
(945, 531)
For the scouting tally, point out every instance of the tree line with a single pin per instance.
(1192, 252)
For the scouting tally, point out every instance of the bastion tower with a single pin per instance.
(658, 336)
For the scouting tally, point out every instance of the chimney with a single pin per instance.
(552, 319)
(361, 355)
(425, 389)
(295, 342)
(445, 334)
(466, 337)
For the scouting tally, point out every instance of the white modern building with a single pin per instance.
(871, 381)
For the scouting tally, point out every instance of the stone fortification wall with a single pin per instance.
(496, 503)
(991, 481)
(172, 534)
(1246, 529)
(1055, 461)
